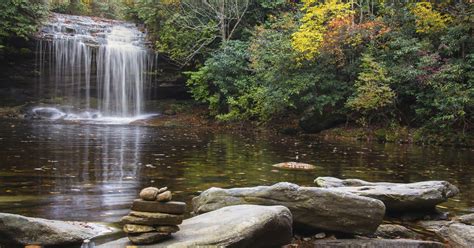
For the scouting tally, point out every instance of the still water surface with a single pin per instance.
(93, 172)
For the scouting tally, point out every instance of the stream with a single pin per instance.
(92, 172)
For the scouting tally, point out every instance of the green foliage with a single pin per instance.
(394, 63)
(224, 83)
(20, 18)
(102, 8)
(372, 93)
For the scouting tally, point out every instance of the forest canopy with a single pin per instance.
(367, 62)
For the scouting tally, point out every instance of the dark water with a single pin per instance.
(92, 172)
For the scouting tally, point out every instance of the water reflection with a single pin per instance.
(92, 172)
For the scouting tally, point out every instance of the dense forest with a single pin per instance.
(369, 63)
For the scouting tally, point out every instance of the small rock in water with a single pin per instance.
(320, 236)
(294, 166)
(164, 197)
(149, 194)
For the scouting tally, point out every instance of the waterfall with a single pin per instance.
(93, 65)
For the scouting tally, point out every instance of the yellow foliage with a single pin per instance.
(310, 35)
(429, 20)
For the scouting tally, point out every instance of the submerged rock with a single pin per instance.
(376, 243)
(294, 166)
(234, 226)
(396, 196)
(312, 208)
(455, 233)
(21, 230)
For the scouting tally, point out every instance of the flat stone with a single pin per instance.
(152, 219)
(171, 207)
(133, 228)
(149, 194)
(164, 197)
(312, 208)
(294, 166)
(397, 197)
(376, 243)
(20, 230)
(392, 231)
(235, 226)
(148, 238)
(167, 229)
(455, 233)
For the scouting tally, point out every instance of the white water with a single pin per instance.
(92, 65)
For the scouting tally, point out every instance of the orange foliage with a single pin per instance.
(343, 34)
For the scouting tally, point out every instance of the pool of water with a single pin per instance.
(93, 172)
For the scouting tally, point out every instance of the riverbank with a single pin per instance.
(186, 113)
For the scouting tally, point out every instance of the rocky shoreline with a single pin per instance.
(336, 213)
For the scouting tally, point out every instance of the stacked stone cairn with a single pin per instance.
(154, 217)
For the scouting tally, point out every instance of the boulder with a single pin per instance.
(312, 208)
(467, 219)
(392, 231)
(455, 233)
(21, 230)
(397, 197)
(376, 243)
(234, 226)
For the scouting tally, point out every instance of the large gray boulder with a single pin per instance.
(397, 197)
(312, 208)
(21, 230)
(235, 226)
(455, 233)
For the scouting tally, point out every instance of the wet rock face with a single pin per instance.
(234, 226)
(21, 230)
(397, 197)
(312, 208)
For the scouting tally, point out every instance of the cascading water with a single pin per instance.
(93, 67)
